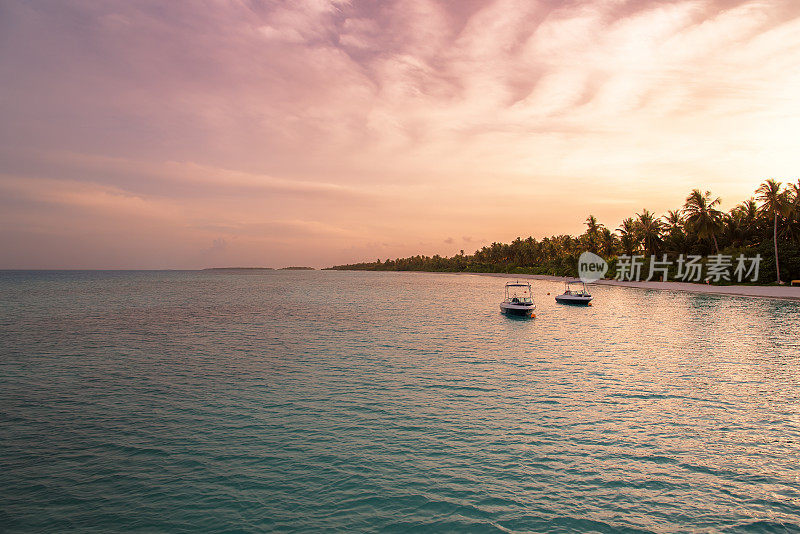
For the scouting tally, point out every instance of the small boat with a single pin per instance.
(519, 299)
(575, 293)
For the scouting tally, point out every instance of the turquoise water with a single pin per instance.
(390, 402)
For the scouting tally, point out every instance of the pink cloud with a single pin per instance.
(328, 125)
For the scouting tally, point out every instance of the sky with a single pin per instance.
(152, 134)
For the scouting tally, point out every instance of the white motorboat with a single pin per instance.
(519, 299)
(575, 293)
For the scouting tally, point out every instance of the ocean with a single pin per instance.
(317, 401)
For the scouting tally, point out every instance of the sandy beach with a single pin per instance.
(773, 292)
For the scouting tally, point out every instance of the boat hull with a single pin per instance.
(573, 300)
(516, 309)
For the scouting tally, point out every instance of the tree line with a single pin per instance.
(767, 224)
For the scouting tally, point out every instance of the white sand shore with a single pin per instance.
(773, 292)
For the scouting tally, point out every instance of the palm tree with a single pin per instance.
(593, 233)
(649, 229)
(793, 210)
(609, 242)
(773, 203)
(742, 220)
(627, 231)
(673, 226)
(674, 220)
(702, 216)
(747, 210)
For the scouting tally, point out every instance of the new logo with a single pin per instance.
(591, 267)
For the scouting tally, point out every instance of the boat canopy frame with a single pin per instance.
(524, 298)
(581, 292)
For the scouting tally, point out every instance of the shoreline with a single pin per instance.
(771, 292)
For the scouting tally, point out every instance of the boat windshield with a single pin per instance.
(518, 293)
(577, 288)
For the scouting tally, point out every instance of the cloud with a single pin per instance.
(219, 245)
(334, 124)
(167, 178)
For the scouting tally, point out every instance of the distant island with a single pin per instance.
(239, 269)
(258, 269)
(767, 224)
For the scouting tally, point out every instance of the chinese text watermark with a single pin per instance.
(689, 268)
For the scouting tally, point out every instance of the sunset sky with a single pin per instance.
(160, 134)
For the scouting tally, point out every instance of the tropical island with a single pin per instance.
(767, 224)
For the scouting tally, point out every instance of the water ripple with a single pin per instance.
(308, 401)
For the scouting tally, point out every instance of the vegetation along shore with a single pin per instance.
(767, 224)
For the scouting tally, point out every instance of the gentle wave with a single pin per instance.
(309, 401)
